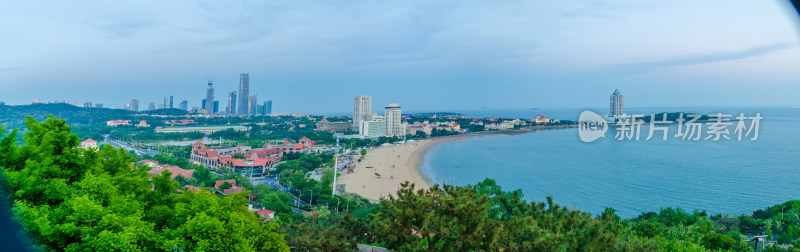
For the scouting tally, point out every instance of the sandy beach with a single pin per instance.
(395, 164)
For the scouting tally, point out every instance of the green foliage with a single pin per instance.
(483, 217)
(225, 185)
(73, 199)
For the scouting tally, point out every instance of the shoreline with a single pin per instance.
(383, 169)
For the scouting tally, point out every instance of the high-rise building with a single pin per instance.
(231, 110)
(362, 110)
(376, 127)
(203, 104)
(268, 107)
(617, 103)
(210, 99)
(151, 106)
(134, 106)
(127, 106)
(87, 104)
(216, 106)
(98, 105)
(184, 105)
(244, 94)
(394, 120)
(252, 104)
(160, 106)
(168, 102)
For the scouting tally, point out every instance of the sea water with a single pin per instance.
(725, 176)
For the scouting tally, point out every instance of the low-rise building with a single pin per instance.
(176, 171)
(89, 144)
(142, 124)
(328, 126)
(202, 129)
(115, 123)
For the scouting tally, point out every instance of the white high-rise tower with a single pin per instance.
(362, 110)
(616, 103)
(394, 120)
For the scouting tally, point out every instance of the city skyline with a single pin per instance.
(443, 58)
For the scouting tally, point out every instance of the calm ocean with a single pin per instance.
(725, 176)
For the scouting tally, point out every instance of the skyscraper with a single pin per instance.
(210, 99)
(244, 93)
(394, 120)
(152, 106)
(616, 103)
(168, 102)
(268, 107)
(184, 105)
(362, 110)
(252, 105)
(87, 104)
(216, 106)
(134, 105)
(98, 105)
(232, 103)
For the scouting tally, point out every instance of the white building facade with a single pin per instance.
(362, 110)
(394, 123)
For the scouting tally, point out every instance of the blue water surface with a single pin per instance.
(726, 176)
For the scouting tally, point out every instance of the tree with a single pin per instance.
(225, 185)
(69, 198)
(363, 152)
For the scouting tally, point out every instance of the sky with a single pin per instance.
(315, 56)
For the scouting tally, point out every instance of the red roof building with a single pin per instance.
(266, 213)
(220, 182)
(176, 171)
(88, 144)
(190, 187)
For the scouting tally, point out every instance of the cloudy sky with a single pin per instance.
(314, 56)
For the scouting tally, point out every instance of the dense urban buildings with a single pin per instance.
(231, 110)
(362, 110)
(616, 103)
(244, 93)
(209, 99)
(394, 121)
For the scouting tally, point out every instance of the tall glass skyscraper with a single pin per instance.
(268, 107)
(168, 102)
(616, 103)
(134, 105)
(210, 99)
(244, 93)
(232, 103)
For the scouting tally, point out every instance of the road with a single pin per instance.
(128, 147)
(272, 182)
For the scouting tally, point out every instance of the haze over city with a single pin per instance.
(314, 57)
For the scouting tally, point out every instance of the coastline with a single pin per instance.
(383, 169)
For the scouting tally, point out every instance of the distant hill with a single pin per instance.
(14, 116)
